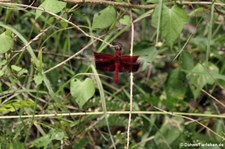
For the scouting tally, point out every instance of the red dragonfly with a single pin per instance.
(116, 62)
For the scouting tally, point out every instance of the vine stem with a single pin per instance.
(208, 50)
(104, 107)
(193, 120)
(131, 81)
(161, 112)
(138, 6)
(71, 57)
(159, 21)
(112, 3)
(52, 115)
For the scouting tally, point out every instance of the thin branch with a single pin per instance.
(137, 6)
(191, 119)
(143, 141)
(112, 3)
(214, 98)
(201, 3)
(58, 17)
(210, 28)
(161, 112)
(159, 21)
(55, 115)
(32, 40)
(131, 81)
(103, 101)
(71, 57)
(181, 50)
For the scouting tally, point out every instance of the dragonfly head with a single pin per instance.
(118, 46)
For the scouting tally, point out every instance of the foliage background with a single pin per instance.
(51, 96)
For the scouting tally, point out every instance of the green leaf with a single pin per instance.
(200, 11)
(3, 62)
(38, 79)
(148, 55)
(172, 22)
(20, 71)
(16, 68)
(171, 129)
(204, 41)
(23, 71)
(114, 120)
(219, 128)
(6, 43)
(48, 138)
(1, 73)
(175, 86)
(125, 20)
(81, 143)
(53, 6)
(186, 60)
(201, 75)
(82, 91)
(56, 134)
(16, 105)
(42, 141)
(104, 18)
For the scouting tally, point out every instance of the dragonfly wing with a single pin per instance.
(105, 66)
(129, 67)
(129, 64)
(104, 62)
(102, 57)
(129, 59)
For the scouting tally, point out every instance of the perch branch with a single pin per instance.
(138, 6)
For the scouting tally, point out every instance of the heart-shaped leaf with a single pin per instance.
(201, 75)
(6, 43)
(82, 91)
(125, 20)
(168, 135)
(45, 140)
(104, 18)
(53, 6)
(38, 79)
(147, 55)
(171, 23)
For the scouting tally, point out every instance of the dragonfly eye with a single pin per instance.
(118, 46)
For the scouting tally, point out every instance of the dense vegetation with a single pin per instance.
(52, 96)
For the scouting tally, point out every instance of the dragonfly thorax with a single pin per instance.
(117, 56)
